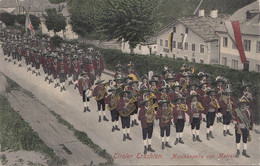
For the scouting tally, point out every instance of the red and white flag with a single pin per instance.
(233, 29)
(28, 24)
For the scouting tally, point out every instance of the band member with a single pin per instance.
(179, 118)
(122, 108)
(163, 94)
(154, 86)
(220, 82)
(144, 94)
(185, 81)
(49, 67)
(228, 106)
(247, 95)
(211, 106)
(62, 72)
(119, 73)
(100, 94)
(85, 85)
(129, 69)
(165, 115)
(191, 88)
(133, 87)
(203, 77)
(54, 70)
(37, 62)
(144, 83)
(176, 92)
(202, 92)
(244, 119)
(146, 116)
(195, 110)
(27, 59)
(112, 101)
(75, 70)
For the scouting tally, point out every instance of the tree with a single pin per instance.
(54, 21)
(83, 16)
(34, 19)
(7, 18)
(130, 20)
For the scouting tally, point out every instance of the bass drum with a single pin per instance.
(89, 93)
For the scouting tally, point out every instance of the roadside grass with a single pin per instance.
(83, 138)
(17, 134)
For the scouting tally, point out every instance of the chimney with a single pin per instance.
(201, 13)
(214, 13)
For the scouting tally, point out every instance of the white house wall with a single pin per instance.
(139, 49)
(191, 38)
(232, 53)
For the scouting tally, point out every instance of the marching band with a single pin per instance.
(168, 97)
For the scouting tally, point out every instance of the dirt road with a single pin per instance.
(218, 151)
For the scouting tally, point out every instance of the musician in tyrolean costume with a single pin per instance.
(244, 119)
(195, 110)
(220, 88)
(179, 118)
(100, 94)
(133, 88)
(123, 108)
(112, 101)
(84, 86)
(147, 116)
(228, 106)
(165, 115)
(211, 105)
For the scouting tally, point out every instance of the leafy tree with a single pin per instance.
(7, 18)
(130, 20)
(34, 19)
(54, 21)
(56, 40)
(83, 16)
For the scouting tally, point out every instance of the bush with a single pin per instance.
(7, 18)
(56, 41)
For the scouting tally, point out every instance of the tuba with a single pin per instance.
(113, 104)
(130, 107)
(199, 106)
(150, 114)
(167, 115)
(101, 93)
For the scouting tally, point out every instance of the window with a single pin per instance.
(179, 45)
(201, 48)
(246, 66)
(174, 44)
(186, 46)
(166, 43)
(234, 45)
(234, 64)
(174, 29)
(161, 42)
(140, 47)
(201, 61)
(160, 55)
(258, 47)
(193, 60)
(193, 47)
(225, 42)
(257, 68)
(173, 56)
(186, 30)
(224, 61)
(247, 45)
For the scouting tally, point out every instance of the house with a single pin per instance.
(144, 48)
(7, 6)
(192, 38)
(249, 19)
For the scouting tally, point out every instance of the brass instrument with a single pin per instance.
(151, 97)
(129, 108)
(244, 120)
(228, 102)
(113, 104)
(150, 114)
(183, 107)
(167, 115)
(215, 103)
(248, 96)
(199, 106)
(102, 92)
(165, 96)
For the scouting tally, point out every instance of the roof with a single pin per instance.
(202, 26)
(8, 4)
(247, 26)
(150, 41)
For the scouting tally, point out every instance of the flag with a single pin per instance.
(28, 24)
(170, 41)
(233, 30)
(184, 37)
